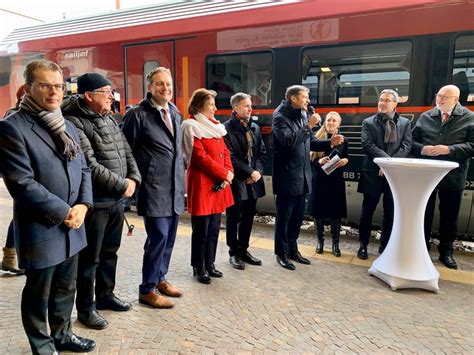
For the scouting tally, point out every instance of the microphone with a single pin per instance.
(310, 113)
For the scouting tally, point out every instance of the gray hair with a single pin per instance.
(390, 92)
(151, 74)
(294, 90)
(236, 98)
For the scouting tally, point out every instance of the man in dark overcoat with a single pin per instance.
(446, 132)
(293, 140)
(385, 134)
(46, 174)
(248, 154)
(114, 177)
(153, 130)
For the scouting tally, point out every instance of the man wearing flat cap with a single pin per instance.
(114, 177)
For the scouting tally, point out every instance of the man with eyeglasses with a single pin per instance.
(446, 132)
(46, 173)
(153, 129)
(114, 177)
(385, 134)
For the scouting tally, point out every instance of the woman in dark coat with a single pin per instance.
(328, 197)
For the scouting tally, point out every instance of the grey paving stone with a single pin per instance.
(327, 307)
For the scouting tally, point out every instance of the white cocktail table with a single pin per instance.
(405, 262)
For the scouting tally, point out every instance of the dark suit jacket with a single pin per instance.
(236, 142)
(372, 137)
(44, 185)
(292, 142)
(457, 132)
(159, 157)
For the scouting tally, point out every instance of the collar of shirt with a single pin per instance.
(159, 107)
(448, 112)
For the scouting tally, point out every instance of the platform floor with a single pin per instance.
(330, 306)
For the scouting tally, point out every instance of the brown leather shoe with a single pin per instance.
(168, 289)
(155, 300)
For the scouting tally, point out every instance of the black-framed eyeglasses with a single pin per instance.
(48, 87)
(107, 92)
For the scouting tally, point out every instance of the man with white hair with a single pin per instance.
(446, 132)
(385, 134)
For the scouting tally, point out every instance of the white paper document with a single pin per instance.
(330, 166)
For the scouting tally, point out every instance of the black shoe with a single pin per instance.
(320, 247)
(296, 256)
(76, 344)
(236, 262)
(335, 249)
(284, 262)
(362, 253)
(92, 320)
(448, 261)
(202, 275)
(212, 271)
(250, 259)
(113, 303)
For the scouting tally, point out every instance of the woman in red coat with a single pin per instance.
(208, 178)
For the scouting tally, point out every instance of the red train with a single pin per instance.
(345, 51)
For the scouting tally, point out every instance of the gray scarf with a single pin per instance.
(54, 123)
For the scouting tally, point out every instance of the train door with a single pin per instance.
(140, 59)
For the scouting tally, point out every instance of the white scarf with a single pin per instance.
(201, 127)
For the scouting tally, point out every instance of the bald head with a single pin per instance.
(447, 98)
(451, 90)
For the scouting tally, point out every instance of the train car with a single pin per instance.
(344, 51)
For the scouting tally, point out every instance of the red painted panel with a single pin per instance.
(380, 18)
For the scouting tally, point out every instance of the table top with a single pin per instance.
(416, 163)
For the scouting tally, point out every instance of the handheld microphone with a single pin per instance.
(310, 113)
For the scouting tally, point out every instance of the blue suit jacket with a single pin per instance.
(292, 142)
(44, 185)
(159, 156)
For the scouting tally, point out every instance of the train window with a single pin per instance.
(463, 67)
(250, 73)
(356, 74)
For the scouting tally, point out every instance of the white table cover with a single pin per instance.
(405, 262)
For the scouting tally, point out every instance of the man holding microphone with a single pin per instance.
(293, 140)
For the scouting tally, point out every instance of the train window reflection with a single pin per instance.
(250, 73)
(463, 67)
(356, 74)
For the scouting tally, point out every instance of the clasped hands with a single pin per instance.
(75, 217)
(254, 177)
(435, 150)
(229, 178)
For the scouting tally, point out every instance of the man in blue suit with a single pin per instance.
(47, 176)
(293, 140)
(153, 130)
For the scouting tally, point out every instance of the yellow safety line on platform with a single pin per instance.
(459, 276)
